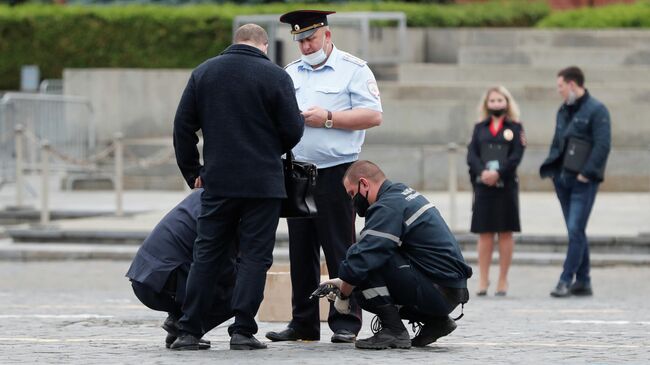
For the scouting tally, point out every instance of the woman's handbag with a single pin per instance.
(300, 182)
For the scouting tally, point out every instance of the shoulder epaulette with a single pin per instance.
(291, 63)
(356, 60)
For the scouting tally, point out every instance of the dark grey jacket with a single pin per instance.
(591, 123)
(246, 108)
(402, 221)
(168, 246)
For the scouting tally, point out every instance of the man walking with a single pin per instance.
(245, 107)
(576, 163)
(339, 99)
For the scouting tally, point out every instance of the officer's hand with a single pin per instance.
(582, 178)
(342, 305)
(198, 183)
(315, 117)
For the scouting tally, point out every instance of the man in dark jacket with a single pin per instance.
(246, 109)
(576, 163)
(407, 257)
(159, 269)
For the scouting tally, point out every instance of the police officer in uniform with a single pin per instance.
(407, 257)
(338, 96)
(159, 269)
(246, 109)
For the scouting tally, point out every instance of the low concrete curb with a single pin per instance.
(56, 252)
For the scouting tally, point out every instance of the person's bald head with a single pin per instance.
(252, 35)
(364, 177)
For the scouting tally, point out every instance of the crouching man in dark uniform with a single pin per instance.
(407, 264)
(159, 270)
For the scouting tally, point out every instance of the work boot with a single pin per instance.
(433, 330)
(391, 334)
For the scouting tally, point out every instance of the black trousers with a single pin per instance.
(217, 229)
(398, 282)
(171, 298)
(333, 229)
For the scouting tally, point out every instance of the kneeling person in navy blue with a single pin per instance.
(407, 265)
(159, 270)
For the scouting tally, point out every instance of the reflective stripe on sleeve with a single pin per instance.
(381, 291)
(417, 214)
(391, 237)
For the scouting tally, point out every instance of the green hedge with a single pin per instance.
(151, 36)
(614, 16)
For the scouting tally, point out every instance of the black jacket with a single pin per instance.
(589, 122)
(402, 221)
(513, 141)
(168, 246)
(246, 108)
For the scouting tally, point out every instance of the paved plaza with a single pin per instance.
(84, 312)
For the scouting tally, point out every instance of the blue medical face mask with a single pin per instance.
(317, 57)
(360, 202)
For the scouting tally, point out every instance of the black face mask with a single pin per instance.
(360, 202)
(496, 112)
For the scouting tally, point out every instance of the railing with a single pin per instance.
(65, 121)
(114, 153)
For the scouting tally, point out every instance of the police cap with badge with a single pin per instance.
(304, 23)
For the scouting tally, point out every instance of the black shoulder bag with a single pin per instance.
(299, 181)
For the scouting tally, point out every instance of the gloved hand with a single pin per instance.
(342, 305)
(327, 290)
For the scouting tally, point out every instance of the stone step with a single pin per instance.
(525, 243)
(554, 56)
(630, 75)
(67, 252)
(443, 44)
(427, 167)
(440, 121)
(472, 91)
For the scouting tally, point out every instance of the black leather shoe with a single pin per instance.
(171, 326)
(431, 331)
(241, 342)
(561, 290)
(185, 342)
(289, 334)
(203, 344)
(343, 336)
(582, 289)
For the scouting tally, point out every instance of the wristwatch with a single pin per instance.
(329, 123)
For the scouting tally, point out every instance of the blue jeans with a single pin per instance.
(577, 199)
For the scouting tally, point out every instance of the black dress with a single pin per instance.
(495, 208)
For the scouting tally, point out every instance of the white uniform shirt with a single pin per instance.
(344, 82)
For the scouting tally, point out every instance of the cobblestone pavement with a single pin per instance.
(84, 312)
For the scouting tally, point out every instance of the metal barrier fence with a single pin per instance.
(7, 161)
(65, 121)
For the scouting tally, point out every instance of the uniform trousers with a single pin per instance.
(220, 221)
(333, 230)
(399, 283)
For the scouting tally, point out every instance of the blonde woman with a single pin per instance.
(493, 155)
